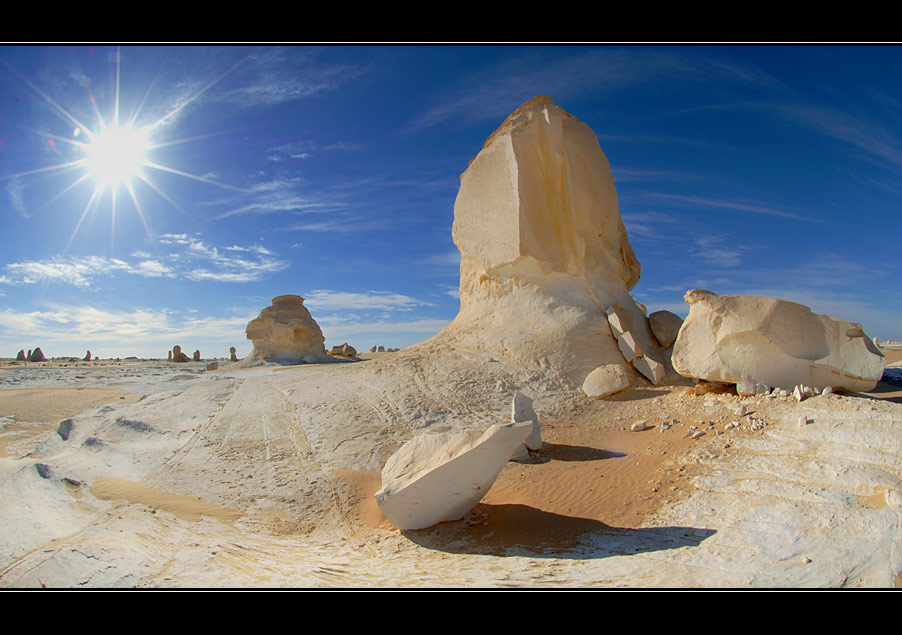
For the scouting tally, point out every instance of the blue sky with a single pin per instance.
(331, 172)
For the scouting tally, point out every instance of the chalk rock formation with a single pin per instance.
(344, 350)
(37, 355)
(20, 356)
(87, 357)
(178, 355)
(170, 356)
(233, 354)
(606, 380)
(436, 477)
(738, 338)
(196, 356)
(543, 247)
(665, 326)
(286, 332)
(523, 412)
(635, 342)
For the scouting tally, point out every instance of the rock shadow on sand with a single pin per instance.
(561, 452)
(521, 530)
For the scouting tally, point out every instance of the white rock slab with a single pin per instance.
(437, 477)
(735, 338)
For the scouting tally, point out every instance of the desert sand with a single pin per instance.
(263, 474)
(198, 485)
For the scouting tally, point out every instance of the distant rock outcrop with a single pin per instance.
(436, 477)
(344, 350)
(196, 356)
(178, 355)
(37, 355)
(87, 357)
(543, 247)
(233, 356)
(286, 332)
(744, 338)
(20, 356)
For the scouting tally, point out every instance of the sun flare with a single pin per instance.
(116, 154)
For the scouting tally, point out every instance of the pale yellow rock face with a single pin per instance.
(733, 338)
(286, 331)
(543, 247)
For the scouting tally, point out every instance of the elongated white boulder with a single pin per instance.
(286, 332)
(744, 338)
(437, 477)
(543, 247)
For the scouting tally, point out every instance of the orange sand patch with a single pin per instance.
(592, 475)
(892, 355)
(184, 507)
(50, 405)
(363, 508)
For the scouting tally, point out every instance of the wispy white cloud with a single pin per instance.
(188, 257)
(16, 190)
(83, 326)
(494, 92)
(325, 300)
(754, 207)
(273, 76)
(79, 272)
(222, 267)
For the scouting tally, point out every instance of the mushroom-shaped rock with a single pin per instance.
(543, 247)
(286, 332)
(436, 477)
(745, 338)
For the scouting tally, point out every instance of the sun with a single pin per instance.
(112, 151)
(116, 154)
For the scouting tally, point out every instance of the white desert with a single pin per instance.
(553, 435)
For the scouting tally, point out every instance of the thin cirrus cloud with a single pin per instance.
(74, 325)
(79, 272)
(494, 92)
(278, 75)
(324, 299)
(753, 207)
(188, 257)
